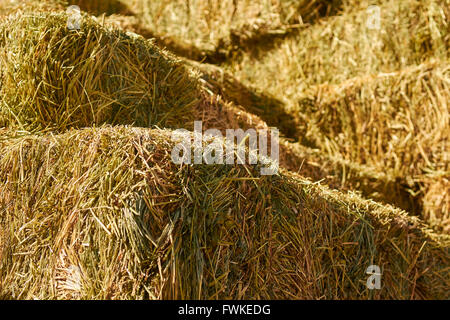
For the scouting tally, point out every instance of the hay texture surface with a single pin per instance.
(54, 78)
(104, 213)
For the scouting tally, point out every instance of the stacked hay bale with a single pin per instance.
(230, 100)
(342, 47)
(397, 123)
(8, 7)
(218, 28)
(104, 213)
(376, 98)
(71, 78)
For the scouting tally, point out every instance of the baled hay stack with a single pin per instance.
(343, 47)
(77, 78)
(212, 121)
(397, 122)
(12, 6)
(435, 199)
(99, 7)
(105, 213)
(345, 175)
(220, 25)
(178, 46)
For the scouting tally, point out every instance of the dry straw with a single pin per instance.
(54, 78)
(99, 7)
(8, 7)
(104, 213)
(237, 106)
(397, 121)
(376, 98)
(216, 29)
(342, 47)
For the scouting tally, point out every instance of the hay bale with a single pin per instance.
(8, 7)
(210, 105)
(106, 213)
(221, 26)
(227, 103)
(96, 75)
(99, 7)
(266, 107)
(435, 197)
(178, 46)
(378, 110)
(396, 122)
(347, 176)
(103, 213)
(342, 47)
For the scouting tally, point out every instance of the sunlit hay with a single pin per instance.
(386, 89)
(343, 47)
(219, 111)
(95, 75)
(235, 114)
(104, 213)
(13, 6)
(202, 24)
(68, 277)
(179, 47)
(397, 122)
(386, 119)
(77, 242)
(131, 224)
